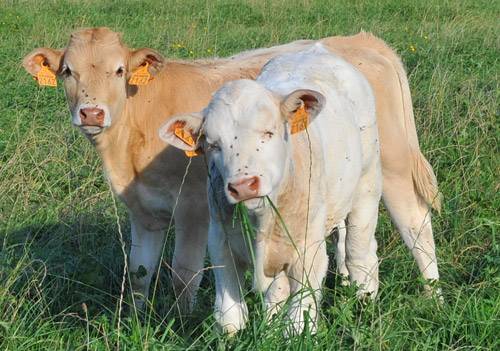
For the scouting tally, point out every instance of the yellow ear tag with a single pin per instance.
(300, 120)
(140, 76)
(188, 139)
(45, 76)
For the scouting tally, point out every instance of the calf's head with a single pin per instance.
(245, 133)
(95, 69)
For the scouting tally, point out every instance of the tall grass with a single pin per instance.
(61, 263)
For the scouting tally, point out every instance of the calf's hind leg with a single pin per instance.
(189, 255)
(340, 253)
(412, 217)
(361, 245)
(361, 248)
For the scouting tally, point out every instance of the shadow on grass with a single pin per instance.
(77, 262)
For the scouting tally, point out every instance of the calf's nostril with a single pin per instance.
(100, 115)
(243, 189)
(91, 116)
(254, 184)
(232, 190)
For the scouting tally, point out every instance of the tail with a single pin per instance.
(424, 179)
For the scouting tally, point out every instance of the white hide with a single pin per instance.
(346, 156)
(247, 134)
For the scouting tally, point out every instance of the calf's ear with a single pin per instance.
(300, 107)
(182, 131)
(33, 62)
(144, 61)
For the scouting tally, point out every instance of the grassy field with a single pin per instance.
(60, 256)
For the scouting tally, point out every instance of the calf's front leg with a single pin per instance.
(274, 285)
(230, 310)
(306, 277)
(145, 251)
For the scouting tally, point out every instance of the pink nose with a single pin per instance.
(244, 189)
(91, 116)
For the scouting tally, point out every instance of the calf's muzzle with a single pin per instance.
(244, 188)
(92, 116)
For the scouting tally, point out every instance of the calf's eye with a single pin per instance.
(213, 146)
(120, 71)
(66, 71)
(268, 134)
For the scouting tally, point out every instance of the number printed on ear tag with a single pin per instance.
(300, 120)
(45, 76)
(140, 76)
(188, 139)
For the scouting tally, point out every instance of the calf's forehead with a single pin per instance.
(243, 107)
(98, 47)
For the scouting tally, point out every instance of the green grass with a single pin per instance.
(60, 258)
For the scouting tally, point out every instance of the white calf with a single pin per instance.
(302, 138)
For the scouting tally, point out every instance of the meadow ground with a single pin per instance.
(60, 256)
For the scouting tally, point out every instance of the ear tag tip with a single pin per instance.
(141, 75)
(191, 153)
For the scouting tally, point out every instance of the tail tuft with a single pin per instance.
(425, 181)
